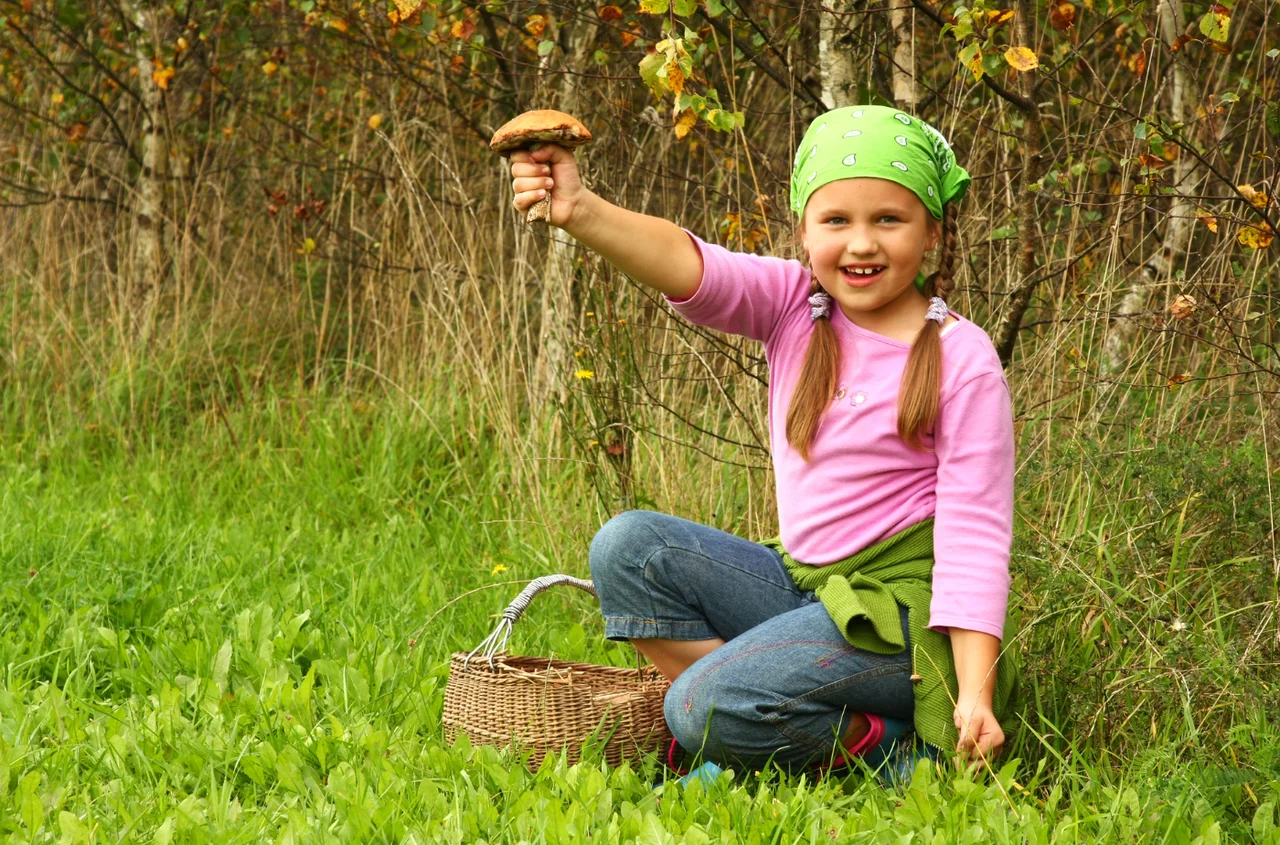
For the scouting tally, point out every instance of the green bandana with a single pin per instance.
(880, 142)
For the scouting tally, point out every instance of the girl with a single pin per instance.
(882, 603)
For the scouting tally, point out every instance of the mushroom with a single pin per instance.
(531, 130)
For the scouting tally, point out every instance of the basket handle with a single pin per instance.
(497, 641)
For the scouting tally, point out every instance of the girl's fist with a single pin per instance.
(549, 171)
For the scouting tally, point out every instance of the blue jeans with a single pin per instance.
(785, 685)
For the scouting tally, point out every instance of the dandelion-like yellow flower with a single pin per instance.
(584, 374)
(498, 569)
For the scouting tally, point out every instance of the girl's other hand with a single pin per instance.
(551, 171)
(981, 736)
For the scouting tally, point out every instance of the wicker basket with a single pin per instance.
(542, 705)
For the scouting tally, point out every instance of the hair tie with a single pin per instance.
(937, 310)
(820, 305)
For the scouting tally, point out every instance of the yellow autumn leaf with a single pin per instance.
(1208, 220)
(1021, 59)
(675, 78)
(1256, 198)
(270, 67)
(999, 16)
(337, 23)
(684, 123)
(407, 7)
(308, 246)
(1256, 237)
(161, 76)
(57, 98)
(374, 121)
(1175, 381)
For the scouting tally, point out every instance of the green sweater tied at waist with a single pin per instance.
(862, 593)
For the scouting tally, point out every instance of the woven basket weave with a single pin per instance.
(545, 706)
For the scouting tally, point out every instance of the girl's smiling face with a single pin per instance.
(870, 224)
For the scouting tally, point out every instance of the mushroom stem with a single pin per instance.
(540, 211)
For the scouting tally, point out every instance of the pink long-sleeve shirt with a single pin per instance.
(864, 483)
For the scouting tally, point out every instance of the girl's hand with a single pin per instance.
(551, 171)
(981, 736)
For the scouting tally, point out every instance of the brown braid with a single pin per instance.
(922, 378)
(817, 382)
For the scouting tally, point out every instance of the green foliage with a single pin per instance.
(220, 644)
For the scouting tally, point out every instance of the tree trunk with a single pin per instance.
(904, 56)
(835, 57)
(143, 288)
(556, 331)
(1006, 334)
(1161, 267)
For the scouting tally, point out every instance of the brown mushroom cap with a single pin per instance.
(543, 126)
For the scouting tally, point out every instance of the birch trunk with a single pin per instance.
(904, 56)
(148, 262)
(555, 342)
(1161, 267)
(1005, 337)
(556, 328)
(835, 56)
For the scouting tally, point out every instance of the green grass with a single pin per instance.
(205, 632)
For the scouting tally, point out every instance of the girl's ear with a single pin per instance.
(935, 233)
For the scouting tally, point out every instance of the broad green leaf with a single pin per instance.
(685, 8)
(1216, 23)
(650, 65)
(545, 47)
(222, 666)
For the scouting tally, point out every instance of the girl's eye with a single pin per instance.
(835, 219)
(888, 217)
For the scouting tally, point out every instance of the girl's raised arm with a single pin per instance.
(651, 250)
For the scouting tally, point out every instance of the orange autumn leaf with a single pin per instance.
(685, 123)
(270, 67)
(1175, 381)
(628, 37)
(1209, 221)
(1062, 16)
(534, 25)
(462, 30)
(161, 76)
(1138, 62)
(1179, 42)
(76, 133)
(1152, 161)
(1183, 306)
(610, 13)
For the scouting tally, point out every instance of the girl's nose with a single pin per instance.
(860, 242)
